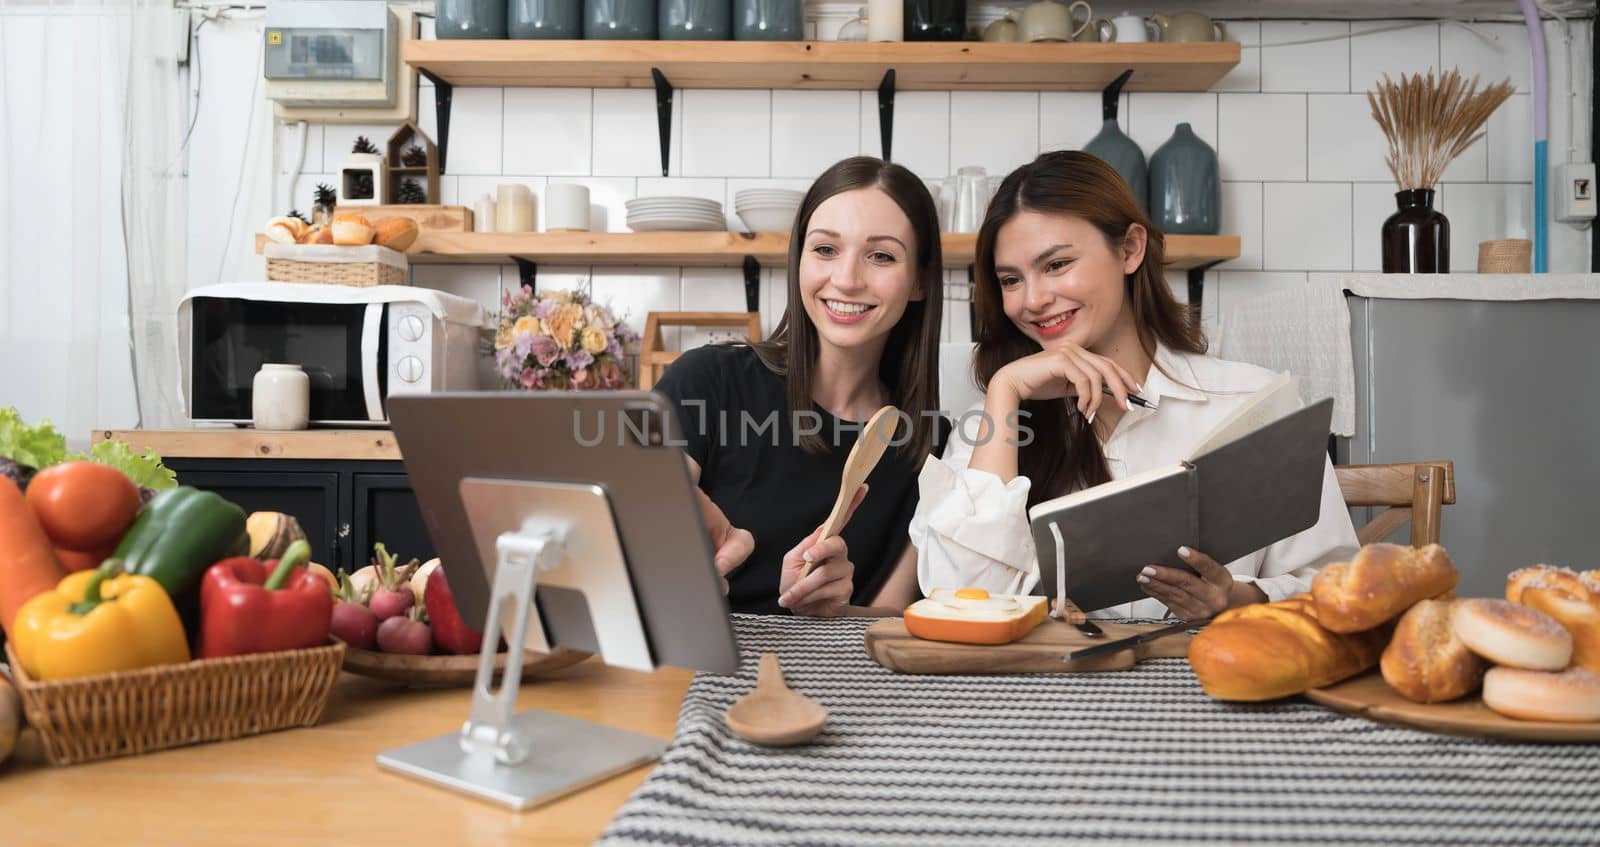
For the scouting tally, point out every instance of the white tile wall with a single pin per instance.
(1307, 226)
(1305, 186)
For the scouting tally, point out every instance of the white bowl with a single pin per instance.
(768, 220)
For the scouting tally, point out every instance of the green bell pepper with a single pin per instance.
(179, 534)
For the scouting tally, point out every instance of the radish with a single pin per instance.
(352, 622)
(405, 634)
(392, 595)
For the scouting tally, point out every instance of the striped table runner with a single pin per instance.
(1138, 757)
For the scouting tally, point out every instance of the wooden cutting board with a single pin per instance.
(890, 645)
(1370, 697)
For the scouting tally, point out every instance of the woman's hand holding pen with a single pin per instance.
(1068, 371)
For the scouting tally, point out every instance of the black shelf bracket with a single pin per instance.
(1197, 281)
(752, 284)
(886, 112)
(1109, 95)
(528, 272)
(663, 115)
(443, 94)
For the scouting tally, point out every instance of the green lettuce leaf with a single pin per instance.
(36, 446)
(144, 469)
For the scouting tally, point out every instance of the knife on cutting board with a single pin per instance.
(1130, 642)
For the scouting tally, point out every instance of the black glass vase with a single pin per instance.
(935, 20)
(1416, 239)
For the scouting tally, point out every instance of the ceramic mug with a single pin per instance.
(1098, 30)
(1131, 29)
(1050, 20)
(566, 207)
(1189, 26)
(280, 397)
(1004, 29)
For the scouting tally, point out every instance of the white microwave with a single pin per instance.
(359, 346)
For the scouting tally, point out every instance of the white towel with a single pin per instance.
(1305, 331)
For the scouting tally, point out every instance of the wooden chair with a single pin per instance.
(1412, 492)
(654, 357)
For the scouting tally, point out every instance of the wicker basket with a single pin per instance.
(1505, 256)
(355, 266)
(132, 712)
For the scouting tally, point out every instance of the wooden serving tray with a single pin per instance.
(1040, 651)
(450, 670)
(1368, 696)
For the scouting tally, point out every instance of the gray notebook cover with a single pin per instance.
(1228, 503)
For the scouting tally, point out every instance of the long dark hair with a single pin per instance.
(1064, 454)
(910, 364)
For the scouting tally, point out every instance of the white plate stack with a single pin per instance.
(768, 209)
(675, 214)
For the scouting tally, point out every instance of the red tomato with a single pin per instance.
(83, 506)
(75, 560)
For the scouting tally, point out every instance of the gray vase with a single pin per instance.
(628, 20)
(769, 20)
(470, 19)
(1120, 152)
(544, 18)
(1185, 185)
(696, 20)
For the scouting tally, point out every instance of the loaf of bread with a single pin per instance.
(1425, 661)
(286, 230)
(396, 233)
(351, 230)
(974, 616)
(1269, 650)
(1380, 584)
(1571, 598)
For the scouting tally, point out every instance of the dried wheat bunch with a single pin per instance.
(1430, 120)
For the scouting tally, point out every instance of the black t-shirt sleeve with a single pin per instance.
(694, 383)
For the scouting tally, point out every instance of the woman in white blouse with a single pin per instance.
(1070, 298)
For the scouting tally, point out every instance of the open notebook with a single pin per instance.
(1252, 480)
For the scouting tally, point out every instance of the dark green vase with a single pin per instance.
(1185, 185)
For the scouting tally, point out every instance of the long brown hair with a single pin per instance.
(1064, 454)
(910, 364)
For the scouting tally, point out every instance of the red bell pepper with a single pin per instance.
(250, 606)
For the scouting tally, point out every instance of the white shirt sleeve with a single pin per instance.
(970, 529)
(1288, 567)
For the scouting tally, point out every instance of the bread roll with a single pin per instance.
(323, 236)
(973, 616)
(284, 230)
(310, 235)
(396, 233)
(1573, 599)
(351, 230)
(1269, 650)
(1512, 635)
(1425, 661)
(1569, 695)
(1379, 584)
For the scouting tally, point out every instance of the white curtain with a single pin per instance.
(92, 217)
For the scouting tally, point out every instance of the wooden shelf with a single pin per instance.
(706, 249)
(927, 66)
(244, 443)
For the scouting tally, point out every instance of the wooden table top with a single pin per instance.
(322, 785)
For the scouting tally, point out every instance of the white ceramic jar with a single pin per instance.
(280, 397)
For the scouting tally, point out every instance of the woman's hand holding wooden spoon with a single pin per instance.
(826, 590)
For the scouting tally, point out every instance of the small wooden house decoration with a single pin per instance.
(413, 165)
(362, 180)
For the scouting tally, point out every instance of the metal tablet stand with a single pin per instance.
(527, 759)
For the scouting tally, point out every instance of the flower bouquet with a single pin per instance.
(559, 340)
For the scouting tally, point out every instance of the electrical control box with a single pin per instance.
(338, 60)
(1574, 190)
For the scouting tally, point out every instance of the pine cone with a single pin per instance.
(295, 213)
(414, 157)
(325, 195)
(362, 188)
(362, 145)
(410, 193)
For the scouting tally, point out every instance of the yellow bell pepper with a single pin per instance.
(96, 622)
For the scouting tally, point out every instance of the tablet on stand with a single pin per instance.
(564, 519)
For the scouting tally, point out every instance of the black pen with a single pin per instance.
(1132, 398)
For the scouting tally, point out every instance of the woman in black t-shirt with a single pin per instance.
(769, 426)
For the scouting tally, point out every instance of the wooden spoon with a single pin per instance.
(773, 715)
(864, 456)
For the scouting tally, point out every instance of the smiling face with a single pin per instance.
(858, 269)
(1061, 281)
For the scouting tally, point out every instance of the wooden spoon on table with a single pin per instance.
(774, 715)
(864, 456)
